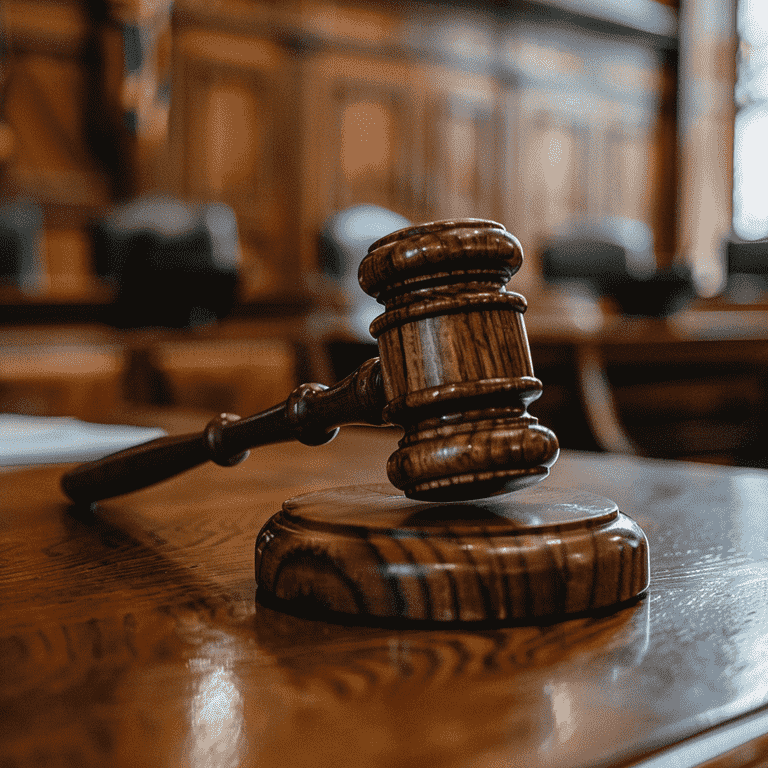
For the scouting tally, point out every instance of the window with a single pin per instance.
(750, 180)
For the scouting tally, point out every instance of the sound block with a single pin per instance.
(372, 553)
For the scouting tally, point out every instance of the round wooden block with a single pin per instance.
(370, 552)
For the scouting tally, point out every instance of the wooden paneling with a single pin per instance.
(358, 139)
(242, 377)
(46, 106)
(57, 29)
(235, 106)
(293, 111)
(580, 121)
(630, 160)
(461, 146)
(54, 380)
(445, 114)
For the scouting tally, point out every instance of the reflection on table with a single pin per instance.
(133, 636)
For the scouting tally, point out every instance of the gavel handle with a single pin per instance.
(312, 414)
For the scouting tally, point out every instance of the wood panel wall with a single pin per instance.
(83, 102)
(291, 111)
(433, 111)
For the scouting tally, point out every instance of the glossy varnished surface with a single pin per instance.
(134, 638)
(368, 551)
(454, 371)
(456, 368)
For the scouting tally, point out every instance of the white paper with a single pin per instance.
(29, 440)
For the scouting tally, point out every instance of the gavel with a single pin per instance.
(455, 372)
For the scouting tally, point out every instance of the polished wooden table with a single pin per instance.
(133, 638)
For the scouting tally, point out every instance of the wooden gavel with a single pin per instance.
(454, 371)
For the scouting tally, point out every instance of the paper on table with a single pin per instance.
(27, 440)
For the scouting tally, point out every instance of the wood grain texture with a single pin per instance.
(311, 414)
(132, 637)
(372, 553)
(456, 365)
(455, 371)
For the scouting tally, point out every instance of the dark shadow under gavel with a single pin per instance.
(455, 372)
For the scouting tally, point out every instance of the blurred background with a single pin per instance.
(186, 190)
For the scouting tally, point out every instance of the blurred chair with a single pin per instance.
(614, 257)
(683, 403)
(174, 264)
(21, 236)
(609, 257)
(336, 332)
(747, 269)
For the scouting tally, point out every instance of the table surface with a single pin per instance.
(134, 638)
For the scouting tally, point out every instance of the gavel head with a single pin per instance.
(455, 361)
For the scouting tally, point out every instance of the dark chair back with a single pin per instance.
(21, 228)
(615, 257)
(173, 264)
(746, 257)
(747, 270)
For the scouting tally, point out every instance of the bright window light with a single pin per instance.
(750, 167)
